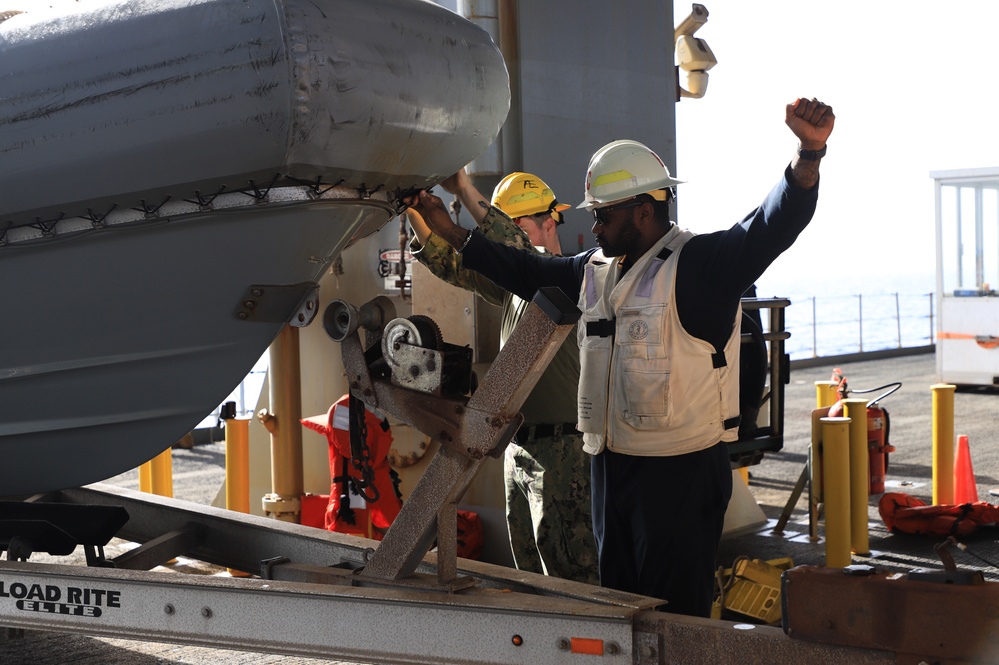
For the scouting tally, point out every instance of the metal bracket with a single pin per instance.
(649, 648)
(55, 528)
(950, 574)
(294, 304)
(162, 548)
(282, 569)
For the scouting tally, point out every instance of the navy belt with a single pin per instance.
(544, 431)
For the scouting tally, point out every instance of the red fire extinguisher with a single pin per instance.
(878, 430)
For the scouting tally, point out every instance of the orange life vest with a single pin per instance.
(343, 474)
(906, 514)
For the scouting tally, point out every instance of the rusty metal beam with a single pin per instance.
(924, 621)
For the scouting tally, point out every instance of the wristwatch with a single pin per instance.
(812, 155)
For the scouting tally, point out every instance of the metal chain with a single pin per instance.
(360, 452)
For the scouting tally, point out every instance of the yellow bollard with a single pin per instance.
(860, 476)
(284, 502)
(826, 393)
(146, 477)
(835, 480)
(814, 468)
(943, 443)
(156, 475)
(163, 473)
(237, 466)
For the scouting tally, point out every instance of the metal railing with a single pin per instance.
(823, 326)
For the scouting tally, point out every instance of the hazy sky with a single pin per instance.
(913, 86)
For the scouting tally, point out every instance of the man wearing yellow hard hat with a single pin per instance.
(546, 472)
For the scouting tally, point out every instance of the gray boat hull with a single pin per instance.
(111, 369)
(129, 102)
(159, 160)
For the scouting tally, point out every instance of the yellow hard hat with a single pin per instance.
(523, 194)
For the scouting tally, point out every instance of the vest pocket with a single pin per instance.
(591, 397)
(642, 328)
(645, 385)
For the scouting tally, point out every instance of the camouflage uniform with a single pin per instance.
(548, 507)
(546, 472)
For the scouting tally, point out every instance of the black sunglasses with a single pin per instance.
(600, 214)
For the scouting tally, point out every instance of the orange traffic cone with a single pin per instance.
(965, 489)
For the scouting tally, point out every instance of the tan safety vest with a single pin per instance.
(647, 387)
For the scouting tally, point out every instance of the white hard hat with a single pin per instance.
(622, 170)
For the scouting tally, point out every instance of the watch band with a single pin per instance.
(465, 243)
(812, 155)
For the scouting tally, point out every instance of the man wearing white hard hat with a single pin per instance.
(659, 352)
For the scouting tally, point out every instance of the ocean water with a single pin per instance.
(849, 313)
